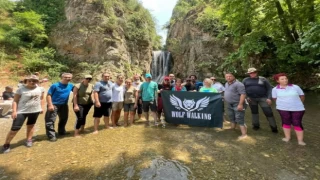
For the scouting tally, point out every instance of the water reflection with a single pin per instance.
(161, 169)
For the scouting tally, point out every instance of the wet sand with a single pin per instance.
(129, 153)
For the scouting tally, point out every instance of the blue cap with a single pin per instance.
(148, 75)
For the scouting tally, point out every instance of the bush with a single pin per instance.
(42, 60)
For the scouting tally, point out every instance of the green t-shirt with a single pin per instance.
(84, 93)
(210, 89)
(148, 91)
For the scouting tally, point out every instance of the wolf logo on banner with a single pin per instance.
(188, 105)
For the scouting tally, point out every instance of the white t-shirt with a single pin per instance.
(30, 100)
(118, 93)
(137, 86)
(288, 99)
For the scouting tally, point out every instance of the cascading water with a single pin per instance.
(161, 65)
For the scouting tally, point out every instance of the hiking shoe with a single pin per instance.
(29, 143)
(256, 128)
(274, 130)
(6, 148)
(53, 139)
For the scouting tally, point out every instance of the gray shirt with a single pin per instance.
(104, 90)
(233, 92)
(30, 100)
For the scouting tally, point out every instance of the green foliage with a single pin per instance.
(23, 29)
(136, 22)
(273, 35)
(52, 11)
(42, 60)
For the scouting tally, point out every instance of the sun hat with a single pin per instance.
(252, 70)
(87, 76)
(34, 77)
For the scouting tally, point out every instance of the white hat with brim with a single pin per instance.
(252, 70)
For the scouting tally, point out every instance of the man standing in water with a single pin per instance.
(148, 92)
(102, 105)
(234, 96)
(57, 100)
(136, 84)
(258, 91)
(118, 90)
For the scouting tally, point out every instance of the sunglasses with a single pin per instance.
(89, 79)
(213, 79)
(34, 81)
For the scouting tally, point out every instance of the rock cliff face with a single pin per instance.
(194, 51)
(93, 35)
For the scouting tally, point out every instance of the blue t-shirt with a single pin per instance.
(60, 93)
(198, 85)
(105, 91)
(149, 90)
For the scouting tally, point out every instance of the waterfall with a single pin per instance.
(161, 65)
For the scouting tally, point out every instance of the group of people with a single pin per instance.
(132, 95)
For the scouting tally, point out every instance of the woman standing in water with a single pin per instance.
(82, 103)
(26, 105)
(131, 98)
(289, 103)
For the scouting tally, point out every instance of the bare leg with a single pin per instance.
(30, 131)
(243, 129)
(154, 115)
(118, 112)
(131, 118)
(81, 129)
(113, 118)
(300, 138)
(233, 125)
(10, 136)
(146, 115)
(287, 134)
(106, 122)
(76, 133)
(96, 125)
(125, 118)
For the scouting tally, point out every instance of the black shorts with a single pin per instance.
(18, 122)
(149, 104)
(104, 110)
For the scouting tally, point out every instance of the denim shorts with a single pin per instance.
(234, 115)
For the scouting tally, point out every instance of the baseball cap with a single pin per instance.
(148, 75)
(166, 78)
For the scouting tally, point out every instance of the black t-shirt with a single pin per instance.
(164, 88)
(190, 87)
(7, 95)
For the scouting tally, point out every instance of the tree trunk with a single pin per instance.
(310, 10)
(284, 22)
(292, 20)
